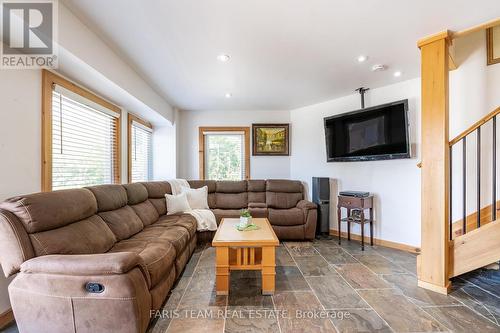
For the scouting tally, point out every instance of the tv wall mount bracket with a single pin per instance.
(362, 91)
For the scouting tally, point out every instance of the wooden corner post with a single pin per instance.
(433, 261)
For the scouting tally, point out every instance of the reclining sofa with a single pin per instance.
(99, 259)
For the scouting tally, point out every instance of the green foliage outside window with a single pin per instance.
(224, 160)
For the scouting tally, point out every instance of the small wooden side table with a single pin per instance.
(351, 203)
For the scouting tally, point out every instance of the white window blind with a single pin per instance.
(142, 153)
(224, 155)
(84, 142)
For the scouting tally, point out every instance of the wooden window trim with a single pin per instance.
(130, 119)
(201, 151)
(489, 48)
(48, 81)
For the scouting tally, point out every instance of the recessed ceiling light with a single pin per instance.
(397, 73)
(378, 68)
(228, 95)
(223, 57)
(362, 58)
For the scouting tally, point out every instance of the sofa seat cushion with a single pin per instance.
(185, 220)
(159, 257)
(175, 235)
(284, 217)
(226, 213)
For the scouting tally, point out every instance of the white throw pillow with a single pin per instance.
(177, 204)
(197, 197)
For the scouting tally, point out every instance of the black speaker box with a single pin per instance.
(321, 197)
(320, 190)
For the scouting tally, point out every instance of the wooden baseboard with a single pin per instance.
(445, 290)
(6, 318)
(376, 241)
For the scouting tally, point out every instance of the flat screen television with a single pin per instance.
(375, 133)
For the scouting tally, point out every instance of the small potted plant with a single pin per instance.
(245, 218)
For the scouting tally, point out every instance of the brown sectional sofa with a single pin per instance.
(119, 239)
(281, 201)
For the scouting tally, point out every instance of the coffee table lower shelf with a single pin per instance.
(230, 258)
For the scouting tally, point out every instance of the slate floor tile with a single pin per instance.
(360, 277)
(401, 314)
(334, 293)
(461, 319)
(362, 321)
(407, 283)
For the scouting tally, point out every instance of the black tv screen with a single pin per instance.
(375, 133)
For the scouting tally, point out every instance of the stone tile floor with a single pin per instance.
(324, 287)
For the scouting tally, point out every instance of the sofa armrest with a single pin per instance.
(304, 204)
(86, 264)
(257, 205)
(102, 291)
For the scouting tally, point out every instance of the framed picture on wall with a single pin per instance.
(270, 139)
(493, 45)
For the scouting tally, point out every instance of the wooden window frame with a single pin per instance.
(201, 138)
(130, 119)
(490, 60)
(49, 79)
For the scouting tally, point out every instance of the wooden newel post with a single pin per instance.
(432, 263)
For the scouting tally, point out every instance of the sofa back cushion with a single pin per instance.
(138, 199)
(231, 194)
(58, 222)
(256, 191)
(109, 197)
(112, 207)
(123, 222)
(87, 236)
(48, 210)
(136, 193)
(283, 194)
(156, 195)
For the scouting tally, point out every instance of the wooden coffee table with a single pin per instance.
(245, 250)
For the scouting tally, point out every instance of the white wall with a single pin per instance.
(165, 150)
(84, 59)
(261, 167)
(395, 183)
(88, 60)
(474, 93)
(20, 133)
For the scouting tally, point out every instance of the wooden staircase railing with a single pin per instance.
(476, 242)
(480, 212)
(443, 256)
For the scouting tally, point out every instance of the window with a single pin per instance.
(80, 137)
(140, 152)
(224, 153)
